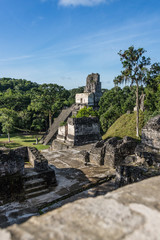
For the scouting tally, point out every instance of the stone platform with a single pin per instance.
(129, 213)
(74, 181)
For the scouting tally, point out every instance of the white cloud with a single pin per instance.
(81, 2)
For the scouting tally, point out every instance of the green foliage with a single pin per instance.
(63, 124)
(48, 98)
(152, 90)
(109, 117)
(7, 118)
(114, 103)
(73, 92)
(125, 126)
(20, 85)
(86, 112)
(135, 72)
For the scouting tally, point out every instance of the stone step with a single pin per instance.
(35, 189)
(54, 128)
(31, 175)
(36, 194)
(34, 182)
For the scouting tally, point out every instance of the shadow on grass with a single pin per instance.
(32, 141)
(10, 145)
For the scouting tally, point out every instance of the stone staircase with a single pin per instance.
(34, 185)
(50, 134)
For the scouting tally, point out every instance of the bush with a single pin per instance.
(86, 112)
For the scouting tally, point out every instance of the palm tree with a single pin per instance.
(135, 71)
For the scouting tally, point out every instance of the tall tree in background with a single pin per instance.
(8, 119)
(135, 72)
(48, 98)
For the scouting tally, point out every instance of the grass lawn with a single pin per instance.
(125, 126)
(19, 140)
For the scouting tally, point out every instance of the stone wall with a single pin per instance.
(37, 160)
(83, 130)
(62, 133)
(93, 83)
(85, 99)
(13, 176)
(11, 163)
(151, 133)
(92, 92)
(112, 153)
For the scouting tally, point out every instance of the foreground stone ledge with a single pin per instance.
(131, 212)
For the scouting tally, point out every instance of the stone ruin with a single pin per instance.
(92, 92)
(132, 159)
(151, 133)
(90, 97)
(113, 151)
(77, 132)
(80, 131)
(19, 182)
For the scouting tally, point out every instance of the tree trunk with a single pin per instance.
(137, 118)
(8, 137)
(50, 119)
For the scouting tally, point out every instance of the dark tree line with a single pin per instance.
(28, 106)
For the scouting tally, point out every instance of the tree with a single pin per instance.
(151, 90)
(7, 119)
(86, 112)
(48, 98)
(135, 72)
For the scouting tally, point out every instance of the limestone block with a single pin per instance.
(129, 213)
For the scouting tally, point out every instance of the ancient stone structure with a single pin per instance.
(90, 97)
(53, 130)
(112, 152)
(78, 131)
(129, 213)
(92, 92)
(62, 133)
(18, 182)
(151, 133)
(83, 130)
(10, 163)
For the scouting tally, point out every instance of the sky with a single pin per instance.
(62, 41)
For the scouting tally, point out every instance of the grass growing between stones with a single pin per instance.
(125, 126)
(18, 140)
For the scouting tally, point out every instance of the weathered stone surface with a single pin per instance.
(59, 145)
(151, 133)
(83, 130)
(11, 163)
(131, 212)
(112, 152)
(13, 175)
(37, 160)
(92, 92)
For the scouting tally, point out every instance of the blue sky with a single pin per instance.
(62, 41)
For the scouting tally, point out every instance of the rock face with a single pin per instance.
(129, 213)
(151, 133)
(112, 152)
